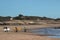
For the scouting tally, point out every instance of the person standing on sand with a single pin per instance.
(25, 30)
(6, 29)
(16, 29)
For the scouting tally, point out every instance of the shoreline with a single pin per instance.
(24, 36)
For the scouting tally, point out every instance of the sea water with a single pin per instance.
(49, 31)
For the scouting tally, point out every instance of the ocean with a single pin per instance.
(51, 32)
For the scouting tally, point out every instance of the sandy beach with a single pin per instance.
(22, 35)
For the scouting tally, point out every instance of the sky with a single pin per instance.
(47, 8)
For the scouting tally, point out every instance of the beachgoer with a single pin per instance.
(25, 30)
(5, 29)
(8, 29)
(16, 29)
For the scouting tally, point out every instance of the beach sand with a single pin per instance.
(17, 36)
(22, 35)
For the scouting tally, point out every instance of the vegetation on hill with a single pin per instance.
(4, 18)
(22, 17)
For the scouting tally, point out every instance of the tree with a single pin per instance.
(20, 15)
